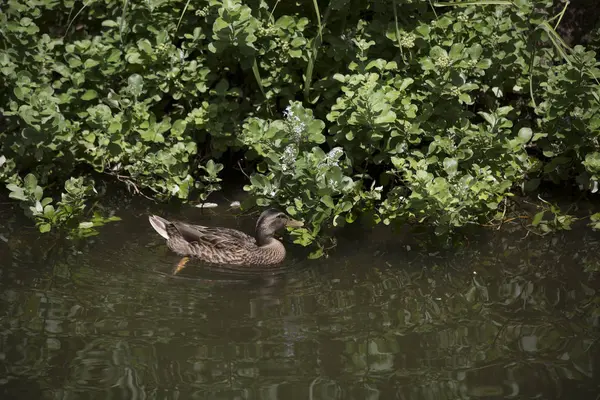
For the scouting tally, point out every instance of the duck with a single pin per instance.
(218, 245)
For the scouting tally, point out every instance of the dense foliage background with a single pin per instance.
(398, 111)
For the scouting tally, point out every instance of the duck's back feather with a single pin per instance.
(216, 245)
(218, 237)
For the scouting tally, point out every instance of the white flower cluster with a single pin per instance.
(202, 12)
(332, 157)
(289, 156)
(297, 127)
(407, 40)
(442, 61)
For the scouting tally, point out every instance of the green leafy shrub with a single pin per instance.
(397, 110)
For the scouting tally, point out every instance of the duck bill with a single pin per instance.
(294, 224)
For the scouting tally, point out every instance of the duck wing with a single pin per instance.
(219, 238)
(217, 245)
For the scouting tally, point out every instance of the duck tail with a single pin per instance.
(160, 225)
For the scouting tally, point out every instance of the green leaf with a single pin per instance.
(444, 22)
(213, 168)
(109, 23)
(18, 195)
(437, 52)
(386, 118)
(220, 24)
(114, 149)
(465, 98)
(90, 63)
(151, 135)
(298, 42)
(49, 211)
(222, 87)
(475, 51)
(178, 127)
(450, 166)
(145, 46)
(423, 30)
(38, 193)
(39, 209)
(30, 182)
(135, 83)
(44, 228)
(346, 206)
(259, 181)
(525, 134)
(406, 82)
(284, 21)
(488, 117)
(317, 138)
(114, 56)
(328, 201)
(89, 95)
(114, 127)
(537, 218)
(427, 64)
(20, 92)
(90, 137)
(133, 58)
(334, 176)
(484, 64)
(378, 63)
(456, 51)
(315, 254)
(86, 225)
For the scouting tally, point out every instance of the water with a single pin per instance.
(503, 316)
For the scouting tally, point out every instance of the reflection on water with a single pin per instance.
(504, 317)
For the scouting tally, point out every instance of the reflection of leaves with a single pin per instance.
(119, 325)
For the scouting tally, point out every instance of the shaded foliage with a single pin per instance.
(396, 110)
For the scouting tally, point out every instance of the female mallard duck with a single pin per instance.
(224, 245)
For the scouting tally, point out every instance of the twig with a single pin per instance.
(242, 170)
(130, 185)
(508, 220)
(503, 215)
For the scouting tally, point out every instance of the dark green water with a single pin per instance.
(506, 316)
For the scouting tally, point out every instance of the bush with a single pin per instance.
(392, 109)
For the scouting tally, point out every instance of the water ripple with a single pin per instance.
(502, 318)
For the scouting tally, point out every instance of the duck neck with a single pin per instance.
(269, 250)
(263, 238)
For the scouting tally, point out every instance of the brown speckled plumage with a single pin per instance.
(225, 245)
